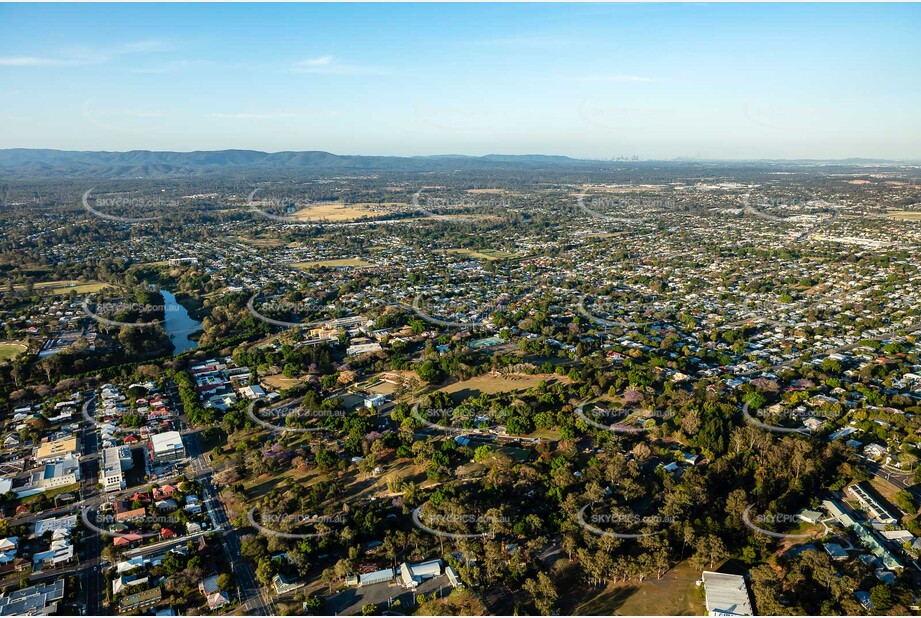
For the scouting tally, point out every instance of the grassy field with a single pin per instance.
(674, 595)
(160, 263)
(50, 494)
(337, 213)
(906, 215)
(11, 349)
(379, 386)
(802, 527)
(495, 384)
(280, 382)
(356, 485)
(886, 489)
(347, 263)
(458, 603)
(65, 287)
(486, 191)
(484, 254)
(262, 243)
(261, 485)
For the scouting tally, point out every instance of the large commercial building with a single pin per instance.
(37, 600)
(111, 472)
(872, 503)
(166, 447)
(60, 473)
(726, 594)
(141, 600)
(867, 536)
(411, 575)
(57, 449)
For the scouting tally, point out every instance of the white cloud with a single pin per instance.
(148, 46)
(612, 78)
(598, 78)
(36, 61)
(272, 115)
(83, 55)
(525, 41)
(172, 65)
(328, 65)
(143, 114)
(317, 62)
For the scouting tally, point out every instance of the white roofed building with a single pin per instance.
(166, 447)
(111, 472)
(726, 594)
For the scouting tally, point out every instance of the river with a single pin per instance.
(178, 324)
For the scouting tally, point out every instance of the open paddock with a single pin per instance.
(279, 382)
(676, 594)
(336, 212)
(340, 263)
(11, 349)
(491, 384)
(489, 255)
(65, 287)
(905, 215)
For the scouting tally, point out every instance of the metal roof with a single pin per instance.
(727, 595)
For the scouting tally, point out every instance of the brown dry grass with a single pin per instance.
(347, 262)
(336, 212)
(905, 215)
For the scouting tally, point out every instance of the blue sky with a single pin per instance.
(584, 80)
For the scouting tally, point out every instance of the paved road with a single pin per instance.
(607, 324)
(257, 602)
(902, 480)
(91, 571)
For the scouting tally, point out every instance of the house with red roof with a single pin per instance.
(159, 493)
(126, 540)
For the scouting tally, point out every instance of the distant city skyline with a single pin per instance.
(656, 81)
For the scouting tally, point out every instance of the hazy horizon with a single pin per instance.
(475, 155)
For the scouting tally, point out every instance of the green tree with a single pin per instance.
(881, 598)
(265, 571)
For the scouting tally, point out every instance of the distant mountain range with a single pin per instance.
(40, 163)
(33, 163)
